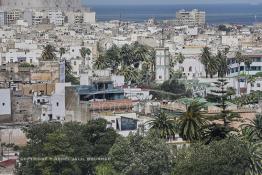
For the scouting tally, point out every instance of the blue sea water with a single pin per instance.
(216, 13)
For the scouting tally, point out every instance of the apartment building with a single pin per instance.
(190, 18)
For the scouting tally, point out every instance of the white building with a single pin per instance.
(31, 57)
(52, 107)
(89, 17)
(2, 18)
(190, 18)
(42, 4)
(56, 17)
(137, 94)
(5, 102)
(162, 65)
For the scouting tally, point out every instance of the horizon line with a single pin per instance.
(230, 3)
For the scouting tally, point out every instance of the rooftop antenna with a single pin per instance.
(255, 18)
(120, 21)
(162, 44)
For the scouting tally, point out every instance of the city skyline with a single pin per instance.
(139, 2)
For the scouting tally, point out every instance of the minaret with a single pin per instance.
(162, 62)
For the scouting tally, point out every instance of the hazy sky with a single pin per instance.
(168, 1)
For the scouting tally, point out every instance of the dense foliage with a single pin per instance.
(70, 141)
(137, 155)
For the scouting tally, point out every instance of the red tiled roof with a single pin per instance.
(111, 105)
(8, 163)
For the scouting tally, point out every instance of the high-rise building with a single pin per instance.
(3, 18)
(41, 4)
(191, 18)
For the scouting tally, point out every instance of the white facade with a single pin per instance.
(5, 102)
(231, 41)
(137, 94)
(56, 17)
(2, 18)
(162, 65)
(42, 4)
(191, 68)
(52, 107)
(190, 18)
(89, 17)
(31, 57)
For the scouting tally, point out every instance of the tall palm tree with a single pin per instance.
(140, 53)
(130, 73)
(205, 59)
(84, 52)
(191, 121)
(180, 59)
(239, 59)
(213, 66)
(62, 51)
(100, 62)
(126, 54)
(222, 64)
(113, 58)
(255, 128)
(48, 53)
(163, 125)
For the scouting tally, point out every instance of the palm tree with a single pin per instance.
(48, 53)
(222, 64)
(113, 58)
(126, 54)
(69, 76)
(205, 59)
(214, 132)
(163, 125)
(255, 128)
(140, 53)
(213, 66)
(100, 63)
(83, 52)
(239, 59)
(62, 52)
(180, 58)
(130, 73)
(191, 121)
(249, 134)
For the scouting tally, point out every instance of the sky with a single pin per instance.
(137, 2)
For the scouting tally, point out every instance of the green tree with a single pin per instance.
(205, 59)
(226, 157)
(105, 169)
(222, 64)
(70, 140)
(192, 121)
(69, 76)
(48, 53)
(130, 74)
(137, 155)
(255, 128)
(221, 95)
(163, 125)
(62, 51)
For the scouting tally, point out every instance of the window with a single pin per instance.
(75, 63)
(160, 77)
(258, 84)
(3, 104)
(190, 69)
(57, 104)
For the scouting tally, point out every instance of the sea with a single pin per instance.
(245, 14)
